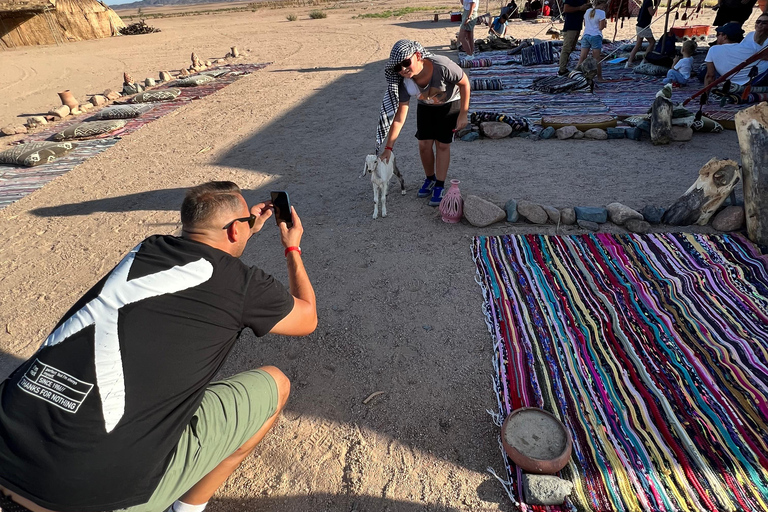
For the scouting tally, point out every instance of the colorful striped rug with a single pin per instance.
(653, 350)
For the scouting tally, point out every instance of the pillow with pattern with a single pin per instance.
(35, 153)
(646, 68)
(121, 112)
(156, 95)
(89, 129)
(706, 125)
(193, 81)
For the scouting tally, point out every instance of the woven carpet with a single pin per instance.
(652, 350)
(17, 182)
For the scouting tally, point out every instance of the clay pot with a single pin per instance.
(536, 441)
(68, 99)
(452, 205)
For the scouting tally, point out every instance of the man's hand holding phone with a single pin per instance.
(287, 220)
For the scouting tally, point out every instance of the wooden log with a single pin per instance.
(661, 121)
(752, 130)
(715, 182)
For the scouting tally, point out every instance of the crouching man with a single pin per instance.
(117, 411)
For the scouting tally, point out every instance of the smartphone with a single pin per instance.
(282, 206)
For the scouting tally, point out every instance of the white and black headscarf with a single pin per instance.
(402, 49)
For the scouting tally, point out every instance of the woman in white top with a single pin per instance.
(594, 23)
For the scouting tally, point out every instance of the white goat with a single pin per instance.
(381, 173)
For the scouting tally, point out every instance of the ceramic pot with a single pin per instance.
(536, 441)
(68, 99)
(452, 205)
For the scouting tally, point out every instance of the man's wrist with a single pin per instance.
(293, 248)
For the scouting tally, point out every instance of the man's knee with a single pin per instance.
(283, 385)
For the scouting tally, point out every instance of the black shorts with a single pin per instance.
(437, 122)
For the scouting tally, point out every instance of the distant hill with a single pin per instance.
(158, 3)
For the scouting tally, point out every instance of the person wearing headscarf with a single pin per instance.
(442, 89)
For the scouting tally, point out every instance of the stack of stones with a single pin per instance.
(481, 213)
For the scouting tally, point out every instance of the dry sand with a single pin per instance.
(399, 308)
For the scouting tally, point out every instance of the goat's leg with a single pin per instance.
(383, 198)
(375, 201)
(399, 177)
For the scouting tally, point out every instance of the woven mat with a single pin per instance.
(17, 182)
(652, 350)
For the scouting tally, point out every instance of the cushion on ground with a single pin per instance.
(193, 81)
(90, 129)
(156, 95)
(35, 153)
(121, 112)
(215, 73)
(646, 68)
(707, 125)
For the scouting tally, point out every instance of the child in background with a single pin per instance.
(498, 26)
(594, 23)
(546, 10)
(681, 68)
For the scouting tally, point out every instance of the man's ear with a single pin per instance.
(232, 234)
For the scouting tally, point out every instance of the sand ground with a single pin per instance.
(399, 308)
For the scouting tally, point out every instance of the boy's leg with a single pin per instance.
(427, 157)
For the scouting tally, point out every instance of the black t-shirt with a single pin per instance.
(644, 17)
(89, 423)
(573, 20)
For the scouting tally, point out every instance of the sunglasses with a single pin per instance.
(251, 220)
(399, 67)
(761, 22)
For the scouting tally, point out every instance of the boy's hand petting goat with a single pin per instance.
(381, 172)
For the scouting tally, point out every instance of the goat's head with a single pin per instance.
(371, 161)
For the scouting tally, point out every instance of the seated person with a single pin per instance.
(498, 26)
(721, 58)
(510, 10)
(730, 33)
(681, 68)
(536, 6)
(546, 10)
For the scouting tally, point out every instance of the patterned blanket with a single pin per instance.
(652, 350)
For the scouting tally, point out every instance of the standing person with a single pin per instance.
(643, 28)
(594, 23)
(573, 12)
(442, 90)
(468, 21)
(737, 11)
(117, 409)
(681, 68)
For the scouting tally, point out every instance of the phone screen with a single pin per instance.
(282, 207)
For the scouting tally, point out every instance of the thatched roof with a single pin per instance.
(26, 5)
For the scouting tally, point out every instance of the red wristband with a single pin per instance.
(292, 248)
(389, 148)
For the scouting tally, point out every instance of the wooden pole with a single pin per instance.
(752, 130)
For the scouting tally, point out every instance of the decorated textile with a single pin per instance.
(646, 68)
(156, 95)
(518, 124)
(89, 129)
(736, 98)
(574, 81)
(194, 81)
(486, 84)
(651, 349)
(121, 111)
(540, 53)
(475, 63)
(32, 154)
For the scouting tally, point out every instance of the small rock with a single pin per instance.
(495, 130)
(60, 112)
(426, 327)
(590, 226)
(619, 214)
(76, 111)
(50, 118)
(111, 95)
(566, 132)
(595, 134)
(653, 214)
(481, 213)
(149, 82)
(85, 107)
(208, 63)
(568, 216)
(165, 76)
(553, 214)
(615, 133)
(731, 218)
(36, 120)
(132, 89)
(467, 129)
(547, 133)
(98, 100)
(511, 208)
(183, 72)
(591, 214)
(682, 133)
(640, 227)
(20, 129)
(578, 135)
(8, 130)
(632, 133)
(220, 61)
(532, 211)
(545, 489)
(471, 136)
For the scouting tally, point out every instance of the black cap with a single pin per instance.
(733, 30)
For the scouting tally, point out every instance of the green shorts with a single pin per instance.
(232, 411)
(468, 20)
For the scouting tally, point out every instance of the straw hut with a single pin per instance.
(35, 22)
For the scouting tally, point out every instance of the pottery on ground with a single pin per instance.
(68, 99)
(536, 441)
